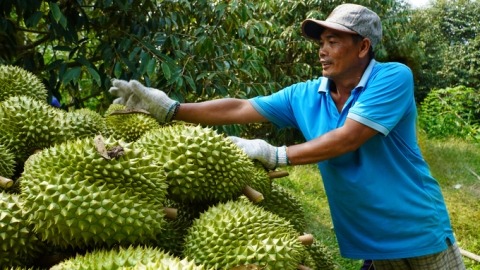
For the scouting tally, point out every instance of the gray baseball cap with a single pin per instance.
(349, 18)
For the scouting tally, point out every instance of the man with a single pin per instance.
(359, 124)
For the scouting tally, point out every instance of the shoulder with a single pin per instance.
(391, 69)
(307, 85)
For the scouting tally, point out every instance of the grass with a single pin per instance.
(451, 162)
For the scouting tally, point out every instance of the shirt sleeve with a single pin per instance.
(280, 107)
(386, 99)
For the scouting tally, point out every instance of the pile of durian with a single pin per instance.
(80, 190)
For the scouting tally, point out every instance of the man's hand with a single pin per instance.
(271, 156)
(133, 94)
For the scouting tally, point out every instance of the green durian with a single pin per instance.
(128, 127)
(261, 181)
(126, 258)
(200, 165)
(16, 81)
(281, 202)
(28, 125)
(239, 233)
(173, 238)
(76, 197)
(320, 255)
(7, 162)
(85, 123)
(309, 262)
(19, 245)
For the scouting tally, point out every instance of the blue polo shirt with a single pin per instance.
(383, 200)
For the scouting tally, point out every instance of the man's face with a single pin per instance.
(338, 54)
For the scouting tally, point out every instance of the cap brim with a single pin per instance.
(312, 29)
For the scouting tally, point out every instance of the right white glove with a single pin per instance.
(133, 94)
(271, 156)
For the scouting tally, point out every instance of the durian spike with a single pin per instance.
(170, 213)
(248, 267)
(306, 239)
(278, 174)
(303, 267)
(5, 182)
(100, 145)
(252, 194)
(129, 111)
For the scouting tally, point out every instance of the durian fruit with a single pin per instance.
(138, 257)
(173, 238)
(85, 123)
(128, 126)
(281, 202)
(7, 165)
(319, 257)
(167, 264)
(261, 181)
(28, 125)
(238, 233)
(16, 81)
(200, 165)
(80, 194)
(19, 245)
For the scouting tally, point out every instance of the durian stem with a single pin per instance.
(278, 174)
(37, 151)
(306, 239)
(303, 267)
(5, 182)
(170, 213)
(252, 194)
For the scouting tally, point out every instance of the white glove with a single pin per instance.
(133, 94)
(271, 156)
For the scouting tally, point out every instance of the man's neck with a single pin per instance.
(341, 88)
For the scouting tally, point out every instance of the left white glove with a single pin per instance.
(271, 156)
(133, 94)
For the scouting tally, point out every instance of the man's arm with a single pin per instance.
(342, 140)
(219, 112)
(216, 112)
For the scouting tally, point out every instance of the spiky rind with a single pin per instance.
(238, 233)
(173, 238)
(7, 162)
(28, 125)
(128, 127)
(125, 258)
(16, 81)
(321, 255)
(75, 197)
(85, 123)
(19, 245)
(200, 164)
(261, 181)
(281, 202)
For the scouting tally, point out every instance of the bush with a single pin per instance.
(451, 112)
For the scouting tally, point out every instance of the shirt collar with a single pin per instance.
(324, 85)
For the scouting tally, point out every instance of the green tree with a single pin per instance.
(451, 112)
(448, 32)
(193, 50)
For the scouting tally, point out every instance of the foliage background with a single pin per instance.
(203, 50)
(193, 50)
(207, 49)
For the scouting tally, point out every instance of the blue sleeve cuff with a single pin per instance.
(369, 123)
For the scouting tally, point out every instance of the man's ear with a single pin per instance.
(364, 48)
